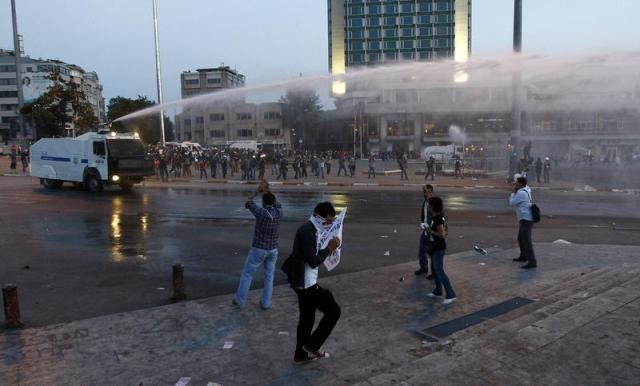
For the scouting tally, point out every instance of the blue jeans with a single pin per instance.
(441, 278)
(255, 258)
(422, 253)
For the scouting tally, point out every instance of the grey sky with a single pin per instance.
(271, 40)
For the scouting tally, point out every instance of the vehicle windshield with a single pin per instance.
(125, 148)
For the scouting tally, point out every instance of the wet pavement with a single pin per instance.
(580, 329)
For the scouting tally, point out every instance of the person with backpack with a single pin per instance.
(437, 231)
(521, 199)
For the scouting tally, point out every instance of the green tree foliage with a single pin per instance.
(64, 102)
(301, 110)
(148, 126)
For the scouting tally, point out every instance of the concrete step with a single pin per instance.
(483, 348)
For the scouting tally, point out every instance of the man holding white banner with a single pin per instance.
(315, 242)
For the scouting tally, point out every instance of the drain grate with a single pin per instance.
(445, 329)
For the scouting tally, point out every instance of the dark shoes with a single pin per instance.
(420, 272)
(429, 277)
(520, 259)
(528, 266)
(317, 354)
(303, 361)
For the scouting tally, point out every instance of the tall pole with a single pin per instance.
(516, 113)
(158, 72)
(17, 54)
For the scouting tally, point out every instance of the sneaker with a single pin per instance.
(520, 259)
(303, 361)
(235, 303)
(317, 354)
(433, 296)
(263, 308)
(528, 266)
(448, 301)
(419, 272)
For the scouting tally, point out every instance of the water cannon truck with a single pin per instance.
(91, 160)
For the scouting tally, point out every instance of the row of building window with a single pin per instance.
(7, 82)
(8, 94)
(378, 33)
(379, 9)
(372, 58)
(245, 133)
(218, 117)
(8, 68)
(359, 22)
(402, 44)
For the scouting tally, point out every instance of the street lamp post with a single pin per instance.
(158, 72)
(516, 113)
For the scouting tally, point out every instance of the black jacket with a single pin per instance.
(304, 251)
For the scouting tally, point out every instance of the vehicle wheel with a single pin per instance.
(126, 186)
(94, 185)
(51, 183)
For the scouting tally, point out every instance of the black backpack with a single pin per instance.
(535, 210)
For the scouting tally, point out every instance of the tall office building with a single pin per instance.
(373, 32)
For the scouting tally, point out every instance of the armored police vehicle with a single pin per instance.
(91, 160)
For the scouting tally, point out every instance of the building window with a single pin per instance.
(199, 120)
(373, 45)
(271, 115)
(375, 10)
(374, 33)
(192, 82)
(374, 21)
(8, 94)
(374, 58)
(8, 81)
(406, 8)
(245, 133)
(400, 128)
(407, 20)
(356, 11)
(407, 56)
(217, 134)
(424, 19)
(442, 6)
(424, 7)
(407, 32)
(424, 43)
(216, 117)
(356, 45)
(443, 31)
(390, 56)
(243, 116)
(8, 68)
(442, 43)
(390, 44)
(407, 44)
(390, 20)
(356, 59)
(356, 34)
(356, 22)
(443, 18)
(214, 81)
(272, 132)
(391, 8)
(425, 31)
(187, 123)
(390, 33)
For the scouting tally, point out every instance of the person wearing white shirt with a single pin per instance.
(521, 199)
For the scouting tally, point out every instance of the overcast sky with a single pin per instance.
(270, 40)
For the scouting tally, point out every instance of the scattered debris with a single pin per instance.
(183, 381)
(160, 288)
(402, 278)
(26, 267)
(588, 188)
(213, 384)
(387, 253)
(482, 264)
(561, 242)
(491, 216)
(481, 251)
(461, 237)
(283, 333)
(384, 237)
(395, 231)
(228, 345)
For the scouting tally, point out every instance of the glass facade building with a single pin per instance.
(373, 32)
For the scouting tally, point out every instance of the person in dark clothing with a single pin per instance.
(438, 232)
(424, 248)
(431, 166)
(538, 166)
(302, 271)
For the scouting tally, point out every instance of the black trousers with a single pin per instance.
(309, 300)
(525, 242)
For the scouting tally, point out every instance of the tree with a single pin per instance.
(301, 112)
(64, 102)
(148, 126)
